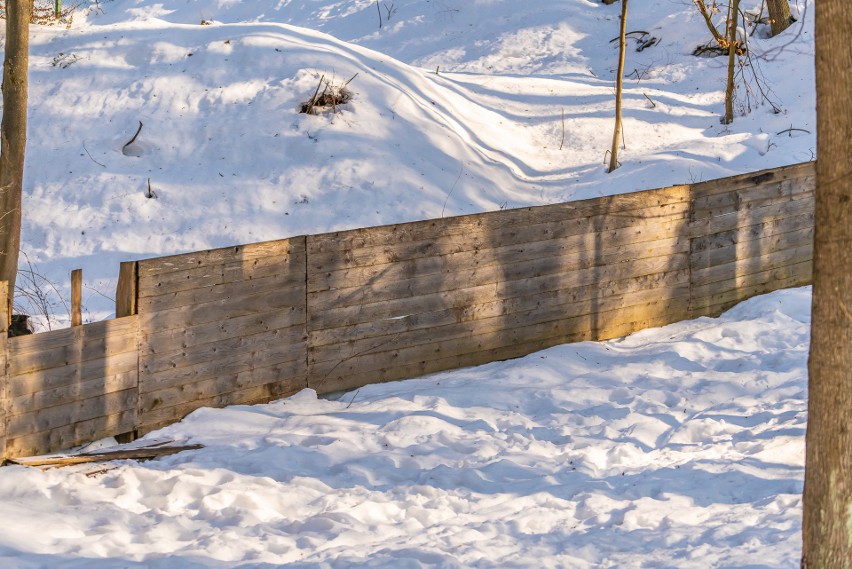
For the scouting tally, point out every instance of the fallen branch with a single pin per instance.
(143, 453)
(791, 129)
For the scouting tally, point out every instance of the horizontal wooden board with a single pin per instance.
(290, 299)
(646, 239)
(753, 247)
(726, 275)
(753, 232)
(165, 413)
(739, 199)
(172, 340)
(87, 388)
(506, 347)
(752, 179)
(278, 377)
(767, 275)
(230, 292)
(380, 289)
(288, 269)
(275, 343)
(213, 257)
(44, 420)
(71, 435)
(714, 303)
(472, 340)
(490, 305)
(331, 312)
(776, 211)
(382, 245)
(67, 381)
(72, 346)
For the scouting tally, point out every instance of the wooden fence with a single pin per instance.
(252, 323)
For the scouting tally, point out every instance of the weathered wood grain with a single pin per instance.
(496, 346)
(67, 380)
(728, 222)
(44, 420)
(69, 435)
(750, 247)
(646, 239)
(71, 346)
(753, 197)
(726, 275)
(714, 302)
(126, 291)
(382, 245)
(213, 257)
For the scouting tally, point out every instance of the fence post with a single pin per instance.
(76, 297)
(126, 290)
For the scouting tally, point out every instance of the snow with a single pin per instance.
(674, 447)
(680, 446)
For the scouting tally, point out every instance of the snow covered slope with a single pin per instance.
(458, 108)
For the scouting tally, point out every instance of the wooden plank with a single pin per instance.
(376, 347)
(381, 245)
(93, 388)
(76, 297)
(753, 197)
(755, 232)
(139, 454)
(5, 307)
(71, 435)
(753, 179)
(126, 291)
(675, 283)
(748, 248)
(163, 341)
(71, 346)
(67, 380)
(646, 239)
(213, 257)
(715, 303)
(509, 344)
(328, 311)
(796, 269)
(4, 397)
(44, 420)
(223, 309)
(286, 342)
(229, 272)
(163, 414)
(230, 291)
(276, 378)
(775, 211)
(725, 275)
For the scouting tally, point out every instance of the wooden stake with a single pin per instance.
(76, 297)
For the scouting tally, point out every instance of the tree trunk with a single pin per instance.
(619, 84)
(13, 136)
(827, 522)
(779, 15)
(733, 45)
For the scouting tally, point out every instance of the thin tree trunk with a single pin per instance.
(732, 61)
(827, 522)
(619, 84)
(779, 15)
(13, 136)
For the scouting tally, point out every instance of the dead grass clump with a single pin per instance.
(327, 97)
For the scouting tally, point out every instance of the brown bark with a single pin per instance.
(619, 87)
(733, 44)
(13, 136)
(779, 15)
(827, 522)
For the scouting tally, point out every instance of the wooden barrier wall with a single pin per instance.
(252, 323)
(221, 327)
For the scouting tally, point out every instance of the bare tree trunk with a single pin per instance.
(779, 14)
(13, 136)
(619, 85)
(827, 523)
(733, 45)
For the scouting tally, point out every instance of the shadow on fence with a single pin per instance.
(252, 323)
